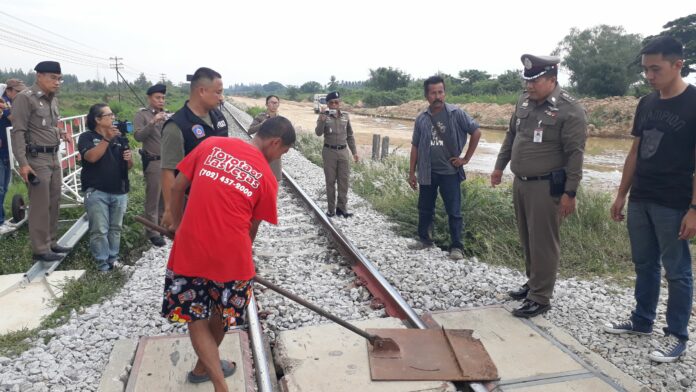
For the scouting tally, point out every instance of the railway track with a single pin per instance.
(305, 234)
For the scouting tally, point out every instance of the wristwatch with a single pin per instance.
(570, 193)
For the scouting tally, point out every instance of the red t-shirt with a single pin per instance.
(231, 184)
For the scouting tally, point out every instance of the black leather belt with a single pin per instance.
(154, 157)
(534, 178)
(44, 149)
(337, 147)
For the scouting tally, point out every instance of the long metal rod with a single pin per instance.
(258, 348)
(316, 309)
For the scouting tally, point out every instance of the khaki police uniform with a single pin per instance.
(338, 140)
(35, 142)
(276, 165)
(564, 130)
(150, 135)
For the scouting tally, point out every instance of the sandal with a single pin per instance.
(228, 368)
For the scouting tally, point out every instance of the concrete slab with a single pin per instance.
(115, 376)
(162, 362)
(331, 358)
(25, 305)
(535, 354)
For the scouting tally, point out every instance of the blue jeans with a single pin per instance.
(653, 231)
(105, 213)
(451, 196)
(4, 185)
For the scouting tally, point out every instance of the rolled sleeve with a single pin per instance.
(172, 146)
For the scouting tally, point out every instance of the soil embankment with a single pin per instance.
(607, 117)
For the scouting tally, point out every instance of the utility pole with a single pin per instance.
(117, 64)
(163, 78)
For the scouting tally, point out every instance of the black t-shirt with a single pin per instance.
(665, 164)
(110, 173)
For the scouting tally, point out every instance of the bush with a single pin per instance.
(255, 111)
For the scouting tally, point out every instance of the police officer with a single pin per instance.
(334, 124)
(197, 120)
(544, 144)
(35, 144)
(272, 104)
(148, 124)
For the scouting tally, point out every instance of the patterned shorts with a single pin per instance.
(189, 299)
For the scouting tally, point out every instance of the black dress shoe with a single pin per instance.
(50, 256)
(60, 249)
(520, 293)
(157, 241)
(340, 212)
(330, 214)
(530, 308)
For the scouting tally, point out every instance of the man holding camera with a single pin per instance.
(35, 144)
(334, 125)
(544, 144)
(198, 120)
(148, 124)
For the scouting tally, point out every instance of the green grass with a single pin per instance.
(591, 244)
(93, 287)
(255, 111)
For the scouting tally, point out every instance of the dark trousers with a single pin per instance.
(450, 191)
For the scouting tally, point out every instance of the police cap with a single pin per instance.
(48, 67)
(536, 66)
(332, 95)
(158, 88)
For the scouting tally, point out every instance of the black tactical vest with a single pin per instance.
(195, 130)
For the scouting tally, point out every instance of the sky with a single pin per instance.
(297, 41)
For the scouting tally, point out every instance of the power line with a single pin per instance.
(43, 54)
(49, 51)
(28, 36)
(48, 31)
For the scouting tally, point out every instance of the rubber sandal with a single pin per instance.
(228, 369)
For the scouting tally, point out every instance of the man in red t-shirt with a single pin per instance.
(208, 281)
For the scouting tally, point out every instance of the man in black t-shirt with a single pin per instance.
(106, 159)
(659, 172)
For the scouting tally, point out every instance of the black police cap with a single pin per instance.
(158, 88)
(48, 67)
(332, 95)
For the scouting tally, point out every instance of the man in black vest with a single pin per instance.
(197, 120)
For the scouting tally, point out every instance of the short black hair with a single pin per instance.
(203, 73)
(668, 46)
(94, 112)
(272, 96)
(435, 79)
(278, 126)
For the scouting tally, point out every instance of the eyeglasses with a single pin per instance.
(56, 78)
(107, 115)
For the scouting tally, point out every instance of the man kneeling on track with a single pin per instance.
(208, 282)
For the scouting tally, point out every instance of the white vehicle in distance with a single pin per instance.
(319, 102)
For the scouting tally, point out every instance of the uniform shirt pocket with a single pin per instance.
(552, 132)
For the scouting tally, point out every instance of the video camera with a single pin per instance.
(123, 126)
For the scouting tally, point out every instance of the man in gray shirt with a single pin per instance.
(438, 159)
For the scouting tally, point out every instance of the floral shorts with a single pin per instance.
(189, 299)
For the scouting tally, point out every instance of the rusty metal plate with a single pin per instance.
(432, 355)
